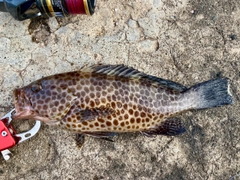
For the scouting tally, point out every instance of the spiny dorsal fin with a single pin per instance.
(117, 70)
(129, 72)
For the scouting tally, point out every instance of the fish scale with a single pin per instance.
(105, 99)
(128, 112)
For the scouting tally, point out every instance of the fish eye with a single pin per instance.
(36, 87)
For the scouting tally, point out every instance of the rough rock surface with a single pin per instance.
(185, 41)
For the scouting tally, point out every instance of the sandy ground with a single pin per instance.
(185, 41)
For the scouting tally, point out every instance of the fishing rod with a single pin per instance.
(26, 9)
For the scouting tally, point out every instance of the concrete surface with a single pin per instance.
(185, 41)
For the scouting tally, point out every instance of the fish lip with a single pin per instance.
(22, 104)
(16, 98)
(15, 94)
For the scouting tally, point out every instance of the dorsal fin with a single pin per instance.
(166, 83)
(129, 72)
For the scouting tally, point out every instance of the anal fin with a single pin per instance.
(169, 127)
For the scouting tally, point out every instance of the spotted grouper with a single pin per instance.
(104, 100)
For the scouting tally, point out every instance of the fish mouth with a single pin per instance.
(22, 105)
(16, 93)
(24, 109)
(18, 97)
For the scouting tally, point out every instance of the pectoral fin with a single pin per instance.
(89, 114)
(169, 127)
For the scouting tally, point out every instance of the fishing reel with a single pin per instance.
(26, 9)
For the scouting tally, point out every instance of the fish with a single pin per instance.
(104, 100)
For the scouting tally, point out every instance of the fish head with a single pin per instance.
(29, 102)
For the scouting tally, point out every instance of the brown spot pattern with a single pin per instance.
(135, 106)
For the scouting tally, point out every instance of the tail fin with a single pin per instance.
(211, 93)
